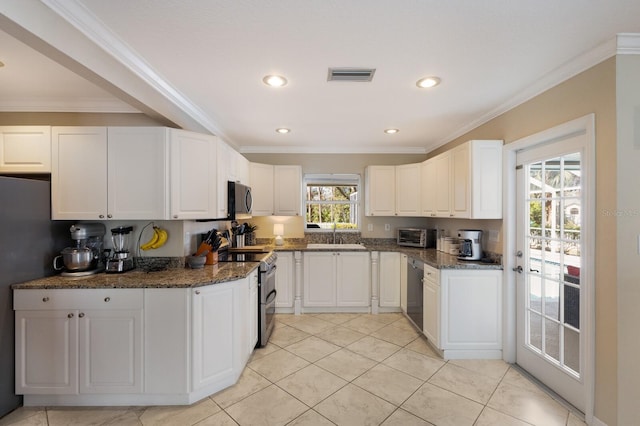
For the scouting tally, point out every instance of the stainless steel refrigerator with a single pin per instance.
(29, 240)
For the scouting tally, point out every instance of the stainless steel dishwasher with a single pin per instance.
(415, 277)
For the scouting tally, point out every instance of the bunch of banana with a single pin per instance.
(158, 239)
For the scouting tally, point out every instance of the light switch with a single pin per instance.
(387, 227)
(370, 227)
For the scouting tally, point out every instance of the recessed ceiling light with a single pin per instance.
(391, 131)
(274, 80)
(427, 82)
(283, 130)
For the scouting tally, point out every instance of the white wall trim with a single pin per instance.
(105, 105)
(582, 124)
(344, 149)
(628, 44)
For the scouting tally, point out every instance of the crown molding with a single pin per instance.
(331, 150)
(628, 44)
(96, 105)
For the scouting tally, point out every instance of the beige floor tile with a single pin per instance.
(575, 421)
(286, 335)
(340, 336)
(25, 416)
(354, 406)
(346, 364)
(533, 406)
(249, 383)
(311, 418)
(312, 325)
(261, 352)
(404, 324)
(388, 317)
(516, 378)
(312, 348)
(127, 419)
(403, 418)
(311, 384)
(365, 324)
(491, 417)
(489, 367)
(470, 384)
(219, 419)
(93, 415)
(180, 414)
(373, 348)
(337, 318)
(277, 365)
(287, 318)
(389, 384)
(269, 407)
(423, 347)
(442, 407)
(395, 335)
(413, 363)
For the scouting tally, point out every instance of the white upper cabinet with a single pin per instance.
(408, 190)
(276, 190)
(193, 175)
(428, 188)
(442, 192)
(25, 149)
(380, 190)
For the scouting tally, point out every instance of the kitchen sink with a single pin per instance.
(336, 246)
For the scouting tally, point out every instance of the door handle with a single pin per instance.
(518, 269)
(533, 270)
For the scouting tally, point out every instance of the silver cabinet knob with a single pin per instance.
(109, 216)
(45, 299)
(70, 316)
(81, 315)
(101, 216)
(107, 299)
(197, 291)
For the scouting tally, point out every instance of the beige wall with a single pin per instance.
(627, 214)
(593, 91)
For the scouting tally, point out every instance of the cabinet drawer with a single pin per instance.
(78, 299)
(432, 274)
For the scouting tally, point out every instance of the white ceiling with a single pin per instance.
(205, 60)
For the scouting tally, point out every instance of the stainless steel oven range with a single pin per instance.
(266, 287)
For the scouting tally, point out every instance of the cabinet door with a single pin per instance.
(223, 159)
(428, 188)
(213, 341)
(443, 188)
(404, 263)
(242, 166)
(138, 173)
(46, 352)
(460, 196)
(253, 312)
(193, 177)
(408, 191)
(110, 351)
(319, 279)
(284, 280)
(486, 179)
(25, 149)
(380, 191)
(288, 190)
(79, 173)
(353, 279)
(262, 190)
(390, 279)
(431, 312)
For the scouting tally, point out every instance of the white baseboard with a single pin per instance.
(597, 422)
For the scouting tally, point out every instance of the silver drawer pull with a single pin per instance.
(107, 299)
(197, 291)
(70, 316)
(45, 299)
(81, 314)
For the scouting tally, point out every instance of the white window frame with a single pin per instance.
(330, 179)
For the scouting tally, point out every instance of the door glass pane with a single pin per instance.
(552, 339)
(572, 305)
(535, 293)
(552, 299)
(572, 349)
(535, 330)
(552, 175)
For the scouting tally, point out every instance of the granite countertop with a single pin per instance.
(170, 278)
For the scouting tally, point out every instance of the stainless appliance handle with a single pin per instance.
(248, 200)
(269, 298)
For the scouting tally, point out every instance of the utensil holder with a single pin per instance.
(240, 241)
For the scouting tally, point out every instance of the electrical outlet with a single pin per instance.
(370, 227)
(387, 227)
(494, 236)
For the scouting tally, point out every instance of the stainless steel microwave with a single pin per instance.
(417, 237)
(239, 201)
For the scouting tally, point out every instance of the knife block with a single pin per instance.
(212, 258)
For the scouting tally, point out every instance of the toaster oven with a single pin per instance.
(417, 237)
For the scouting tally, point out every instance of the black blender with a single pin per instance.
(121, 260)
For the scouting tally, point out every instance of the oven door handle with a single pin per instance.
(269, 298)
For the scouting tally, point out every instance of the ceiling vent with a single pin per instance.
(351, 74)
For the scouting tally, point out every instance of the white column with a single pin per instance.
(297, 273)
(375, 282)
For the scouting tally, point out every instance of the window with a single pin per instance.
(332, 199)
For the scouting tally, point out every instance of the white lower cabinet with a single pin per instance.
(336, 279)
(71, 342)
(431, 305)
(390, 277)
(284, 280)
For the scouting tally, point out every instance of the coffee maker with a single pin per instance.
(121, 260)
(470, 244)
(86, 257)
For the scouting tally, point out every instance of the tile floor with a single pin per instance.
(344, 369)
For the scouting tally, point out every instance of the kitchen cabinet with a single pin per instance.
(336, 279)
(408, 184)
(389, 277)
(276, 190)
(428, 188)
(431, 305)
(194, 181)
(380, 190)
(72, 342)
(109, 173)
(442, 193)
(231, 166)
(404, 262)
(25, 149)
(284, 282)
